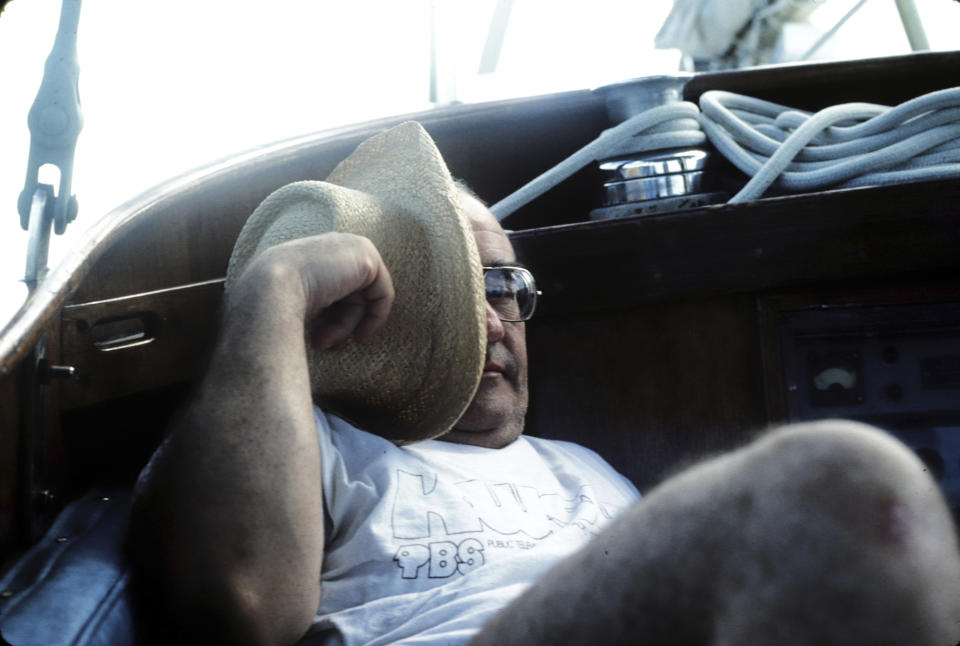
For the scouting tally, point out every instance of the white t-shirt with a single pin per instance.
(424, 543)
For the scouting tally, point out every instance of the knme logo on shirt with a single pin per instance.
(472, 515)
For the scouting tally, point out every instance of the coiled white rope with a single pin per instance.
(847, 145)
(852, 144)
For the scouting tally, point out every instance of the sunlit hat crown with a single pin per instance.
(415, 378)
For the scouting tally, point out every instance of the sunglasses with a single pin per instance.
(511, 292)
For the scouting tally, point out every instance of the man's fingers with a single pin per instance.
(347, 289)
(362, 314)
(338, 322)
(378, 297)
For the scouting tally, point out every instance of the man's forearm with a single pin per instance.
(228, 522)
(235, 496)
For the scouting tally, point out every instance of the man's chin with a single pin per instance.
(495, 438)
(493, 419)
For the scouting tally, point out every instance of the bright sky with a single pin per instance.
(169, 86)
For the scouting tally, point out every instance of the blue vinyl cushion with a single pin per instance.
(72, 587)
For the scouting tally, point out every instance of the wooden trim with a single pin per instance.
(136, 343)
(756, 246)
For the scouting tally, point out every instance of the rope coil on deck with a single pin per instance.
(842, 146)
(852, 144)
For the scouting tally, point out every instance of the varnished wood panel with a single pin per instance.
(9, 471)
(158, 339)
(31, 448)
(649, 387)
(45, 495)
(766, 244)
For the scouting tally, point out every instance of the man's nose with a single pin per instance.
(495, 330)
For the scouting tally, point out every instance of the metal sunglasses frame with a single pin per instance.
(535, 293)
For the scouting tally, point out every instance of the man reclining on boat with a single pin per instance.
(266, 520)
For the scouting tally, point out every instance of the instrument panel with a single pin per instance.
(896, 366)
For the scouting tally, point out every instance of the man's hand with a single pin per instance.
(345, 287)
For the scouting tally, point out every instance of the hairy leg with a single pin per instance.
(822, 533)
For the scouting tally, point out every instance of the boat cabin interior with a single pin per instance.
(662, 336)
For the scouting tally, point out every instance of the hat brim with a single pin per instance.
(418, 375)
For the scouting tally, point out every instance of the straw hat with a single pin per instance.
(415, 378)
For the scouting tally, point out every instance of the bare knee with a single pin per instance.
(853, 474)
(841, 515)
